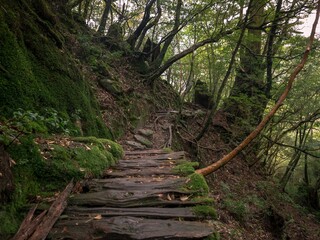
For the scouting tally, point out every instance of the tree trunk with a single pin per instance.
(224, 81)
(247, 99)
(157, 62)
(215, 166)
(104, 17)
(146, 18)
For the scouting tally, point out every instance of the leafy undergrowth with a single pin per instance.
(249, 204)
(43, 166)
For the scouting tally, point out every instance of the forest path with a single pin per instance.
(143, 197)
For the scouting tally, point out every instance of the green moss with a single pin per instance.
(36, 74)
(205, 211)
(26, 184)
(214, 236)
(115, 149)
(198, 184)
(35, 175)
(203, 200)
(185, 168)
(167, 150)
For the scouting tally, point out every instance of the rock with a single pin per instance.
(143, 140)
(136, 145)
(145, 132)
(111, 86)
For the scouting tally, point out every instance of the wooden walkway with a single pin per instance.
(140, 198)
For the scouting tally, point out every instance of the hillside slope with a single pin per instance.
(60, 78)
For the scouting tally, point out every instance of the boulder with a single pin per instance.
(143, 140)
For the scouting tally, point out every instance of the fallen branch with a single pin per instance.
(215, 166)
(53, 214)
(38, 228)
(29, 224)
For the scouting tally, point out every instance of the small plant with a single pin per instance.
(205, 211)
(238, 209)
(33, 122)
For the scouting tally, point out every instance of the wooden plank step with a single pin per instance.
(166, 156)
(146, 171)
(138, 198)
(131, 184)
(122, 228)
(146, 152)
(153, 212)
(124, 164)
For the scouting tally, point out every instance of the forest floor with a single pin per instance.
(248, 204)
(152, 193)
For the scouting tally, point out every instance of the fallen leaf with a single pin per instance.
(184, 198)
(98, 217)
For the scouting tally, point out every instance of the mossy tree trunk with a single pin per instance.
(247, 99)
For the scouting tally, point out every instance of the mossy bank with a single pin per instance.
(43, 166)
(37, 70)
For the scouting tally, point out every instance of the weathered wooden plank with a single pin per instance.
(146, 171)
(165, 156)
(146, 152)
(139, 163)
(153, 212)
(121, 228)
(138, 198)
(131, 184)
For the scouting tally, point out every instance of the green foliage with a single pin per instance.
(205, 211)
(49, 122)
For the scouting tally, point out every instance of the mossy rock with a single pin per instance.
(111, 86)
(114, 148)
(143, 140)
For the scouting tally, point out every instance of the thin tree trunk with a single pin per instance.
(215, 166)
(146, 18)
(157, 62)
(150, 25)
(104, 17)
(224, 81)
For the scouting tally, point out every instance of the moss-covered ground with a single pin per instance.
(44, 166)
(37, 72)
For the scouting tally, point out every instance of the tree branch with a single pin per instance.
(157, 73)
(215, 166)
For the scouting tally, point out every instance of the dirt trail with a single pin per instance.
(142, 197)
